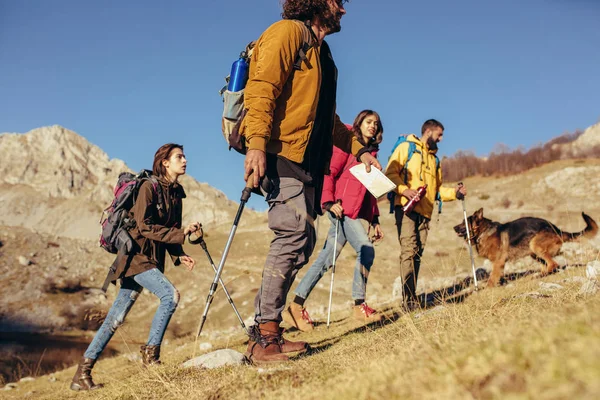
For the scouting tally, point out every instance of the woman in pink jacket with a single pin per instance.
(347, 201)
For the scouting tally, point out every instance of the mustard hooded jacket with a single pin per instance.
(280, 101)
(421, 170)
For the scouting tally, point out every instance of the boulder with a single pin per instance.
(217, 359)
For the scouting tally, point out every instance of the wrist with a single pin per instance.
(360, 153)
(257, 143)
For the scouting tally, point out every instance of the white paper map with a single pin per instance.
(376, 182)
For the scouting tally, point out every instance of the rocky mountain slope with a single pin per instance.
(589, 139)
(54, 181)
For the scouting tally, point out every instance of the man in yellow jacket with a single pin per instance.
(290, 127)
(409, 174)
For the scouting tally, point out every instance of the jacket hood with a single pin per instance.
(172, 187)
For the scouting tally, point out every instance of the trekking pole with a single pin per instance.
(202, 244)
(469, 239)
(213, 287)
(337, 225)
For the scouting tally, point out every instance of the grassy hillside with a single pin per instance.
(521, 340)
(498, 343)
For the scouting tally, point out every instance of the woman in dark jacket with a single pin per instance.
(157, 230)
(347, 201)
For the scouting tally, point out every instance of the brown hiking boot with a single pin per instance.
(264, 345)
(150, 355)
(83, 377)
(288, 346)
(364, 313)
(298, 317)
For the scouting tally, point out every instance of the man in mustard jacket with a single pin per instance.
(290, 127)
(409, 174)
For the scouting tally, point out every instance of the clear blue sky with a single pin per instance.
(132, 75)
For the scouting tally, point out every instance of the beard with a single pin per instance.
(432, 144)
(332, 22)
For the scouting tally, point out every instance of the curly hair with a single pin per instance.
(306, 10)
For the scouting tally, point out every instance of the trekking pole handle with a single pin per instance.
(199, 239)
(247, 192)
(460, 196)
(250, 181)
(338, 201)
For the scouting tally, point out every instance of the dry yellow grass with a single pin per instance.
(496, 344)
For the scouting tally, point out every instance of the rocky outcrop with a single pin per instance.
(53, 180)
(588, 141)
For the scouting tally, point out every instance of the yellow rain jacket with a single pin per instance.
(421, 170)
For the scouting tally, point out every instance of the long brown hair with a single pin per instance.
(163, 153)
(358, 122)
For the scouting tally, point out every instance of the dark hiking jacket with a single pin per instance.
(156, 230)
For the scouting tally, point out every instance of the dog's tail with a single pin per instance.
(591, 229)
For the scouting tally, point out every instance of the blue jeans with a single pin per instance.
(158, 284)
(349, 230)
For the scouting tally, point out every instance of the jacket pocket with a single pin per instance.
(287, 206)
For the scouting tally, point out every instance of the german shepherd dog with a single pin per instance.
(526, 236)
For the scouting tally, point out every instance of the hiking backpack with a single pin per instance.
(233, 102)
(412, 149)
(115, 220)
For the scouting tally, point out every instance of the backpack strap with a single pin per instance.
(157, 189)
(309, 40)
(111, 275)
(412, 148)
(146, 175)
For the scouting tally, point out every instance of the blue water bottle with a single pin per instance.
(239, 74)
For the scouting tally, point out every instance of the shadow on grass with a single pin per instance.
(455, 293)
(33, 354)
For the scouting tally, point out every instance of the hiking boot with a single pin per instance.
(288, 346)
(150, 354)
(298, 317)
(83, 376)
(364, 313)
(264, 345)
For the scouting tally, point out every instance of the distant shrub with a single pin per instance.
(484, 196)
(505, 202)
(502, 161)
(62, 285)
(520, 204)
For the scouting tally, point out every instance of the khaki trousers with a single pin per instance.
(412, 235)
